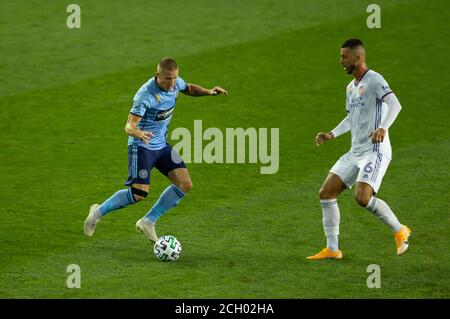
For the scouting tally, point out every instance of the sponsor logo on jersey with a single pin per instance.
(356, 102)
(164, 114)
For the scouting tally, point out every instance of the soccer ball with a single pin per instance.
(167, 248)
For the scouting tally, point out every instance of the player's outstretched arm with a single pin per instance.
(132, 129)
(342, 128)
(197, 90)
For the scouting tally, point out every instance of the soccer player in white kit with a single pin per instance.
(371, 109)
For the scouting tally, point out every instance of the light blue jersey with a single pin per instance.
(156, 107)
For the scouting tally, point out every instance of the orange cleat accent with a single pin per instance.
(401, 239)
(326, 253)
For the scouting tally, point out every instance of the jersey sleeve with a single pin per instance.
(347, 106)
(181, 85)
(140, 104)
(347, 102)
(380, 87)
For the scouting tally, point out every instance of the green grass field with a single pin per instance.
(64, 98)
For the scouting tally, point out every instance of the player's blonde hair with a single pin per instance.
(167, 64)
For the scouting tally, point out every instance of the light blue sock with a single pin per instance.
(120, 199)
(169, 198)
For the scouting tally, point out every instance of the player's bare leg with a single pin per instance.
(364, 195)
(332, 187)
(330, 190)
(181, 178)
(142, 187)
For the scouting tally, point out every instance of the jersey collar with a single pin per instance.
(157, 85)
(360, 79)
(160, 88)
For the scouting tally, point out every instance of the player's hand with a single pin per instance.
(217, 90)
(321, 137)
(378, 135)
(146, 136)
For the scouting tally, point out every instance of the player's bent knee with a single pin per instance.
(138, 198)
(322, 194)
(362, 199)
(325, 194)
(138, 194)
(186, 186)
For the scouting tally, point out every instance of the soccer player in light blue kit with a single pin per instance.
(147, 125)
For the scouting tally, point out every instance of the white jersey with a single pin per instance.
(365, 109)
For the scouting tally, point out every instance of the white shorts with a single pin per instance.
(369, 168)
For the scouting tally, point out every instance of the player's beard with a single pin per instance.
(350, 69)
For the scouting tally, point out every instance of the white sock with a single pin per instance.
(383, 212)
(331, 219)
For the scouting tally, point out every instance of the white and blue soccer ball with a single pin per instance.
(167, 248)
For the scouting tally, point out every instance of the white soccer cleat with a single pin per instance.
(92, 219)
(147, 228)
